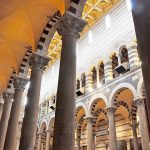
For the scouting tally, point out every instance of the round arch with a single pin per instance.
(95, 97)
(139, 87)
(121, 86)
(44, 121)
(83, 105)
(51, 121)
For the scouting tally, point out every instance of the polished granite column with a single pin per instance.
(8, 99)
(64, 128)
(112, 128)
(141, 18)
(12, 130)
(27, 141)
(142, 123)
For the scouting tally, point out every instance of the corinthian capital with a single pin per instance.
(39, 61)
(20, 82)
(111, 110)
(139, 101)
(8, 96)
(70, 24)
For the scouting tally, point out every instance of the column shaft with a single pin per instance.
(5, 117)
(64, 127)
(32, 108)
(143, 124)
(39, 141)
(48, 135)
(135, 138)
(78, 143)
(112, 129)
(12, 130)
(90, 135)
(89, 82)
(141, 17)
(108, 71)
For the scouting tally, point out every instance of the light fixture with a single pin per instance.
(107, 21)
(129, 5)
(90, 37)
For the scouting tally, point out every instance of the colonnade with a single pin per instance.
(70, 28)
(112, 141)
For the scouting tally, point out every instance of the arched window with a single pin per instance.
(101, 72)
(114, 65)
(124, 55)
(83, 80)
(94, 77)
(78, 84)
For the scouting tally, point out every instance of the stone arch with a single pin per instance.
(119, 88)
(48, 33)
(97, 114)
(80, 115)
(140, 86)
(77, 7)
(124, 104)
(42, 124)
(82, 105)
(95, 98)
(51, 121)
(133, 112)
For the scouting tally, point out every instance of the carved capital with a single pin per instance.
(139, 102)
(70, 24)
(1, 106)
(89, 119)
(8, 96)
(134, 125)
(20, 83)
(111, 110)
(39, 61)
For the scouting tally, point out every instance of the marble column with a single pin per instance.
(89, 81)
(38, 63)
(39, 141)
(8, 99)
(134, 126)
(64, 126)
(143, 123)
(108, 71)
(48, 135)
(141, 18)
(112, 128)
(90, 134)
(128, 144)
(12, 130)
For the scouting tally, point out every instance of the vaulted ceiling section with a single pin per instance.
(21, 24)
